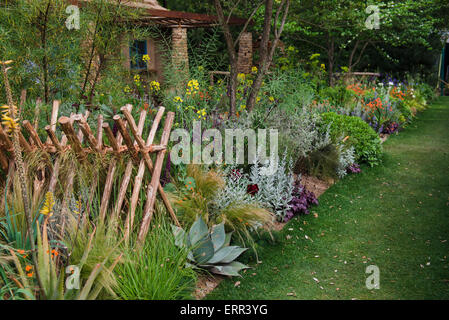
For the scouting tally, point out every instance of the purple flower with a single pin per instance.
(301, 201)
(354, 168)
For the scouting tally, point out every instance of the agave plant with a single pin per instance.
(210, 250)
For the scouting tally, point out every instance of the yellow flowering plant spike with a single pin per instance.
(47, 208)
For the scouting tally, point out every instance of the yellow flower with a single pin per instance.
(242, 107)
(10, 123)
(178, 99)
(137, 80)
(146, 58)
(79, 207)
(254, 69)
(271, 98)
(323, 66)
(155, 86)
(47, 208)
(192, 87)
(241, 77)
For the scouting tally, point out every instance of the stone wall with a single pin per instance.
(180, 56)
(245, 56)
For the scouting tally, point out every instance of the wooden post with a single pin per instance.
(52, 136)
(112, 141)
(151, 194)
(147, 160)
(74, 140)
(84, 126)
(24, 143)
(100, 132)
(129, 223)
(71, 176)
(111, 171)
(33, 134)
(54, 117)
(128, 171)
(126, 137)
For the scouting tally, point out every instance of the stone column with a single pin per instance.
(245, 57)
(180, 56)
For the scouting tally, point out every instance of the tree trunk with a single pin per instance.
(267, 56)
(331, 56)
(232, 57)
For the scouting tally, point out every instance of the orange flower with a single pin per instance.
(29, 275)
(28, 268)
(21, 251)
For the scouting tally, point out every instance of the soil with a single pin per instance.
(315, 185)
(384, 137)
(205, 284)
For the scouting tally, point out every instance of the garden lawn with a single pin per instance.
(394, 216)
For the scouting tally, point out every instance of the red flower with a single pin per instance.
(235, 173)
(252, 189)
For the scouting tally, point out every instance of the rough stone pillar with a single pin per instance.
(245, 57)
(180, 56)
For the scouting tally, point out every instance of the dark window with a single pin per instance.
(137, 49)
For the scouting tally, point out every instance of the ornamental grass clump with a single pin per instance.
(206, 194)
(157, 270)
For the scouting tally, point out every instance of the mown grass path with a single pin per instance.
(394, 216)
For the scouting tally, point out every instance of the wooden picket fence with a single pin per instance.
(78, 137)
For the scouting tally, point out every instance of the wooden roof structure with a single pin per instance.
(157, 14)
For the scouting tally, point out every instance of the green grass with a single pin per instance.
(394, 216)
(157, 270)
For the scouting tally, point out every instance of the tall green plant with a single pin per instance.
(157, 270)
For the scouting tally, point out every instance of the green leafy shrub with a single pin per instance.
(366, 143)
(337, 95)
